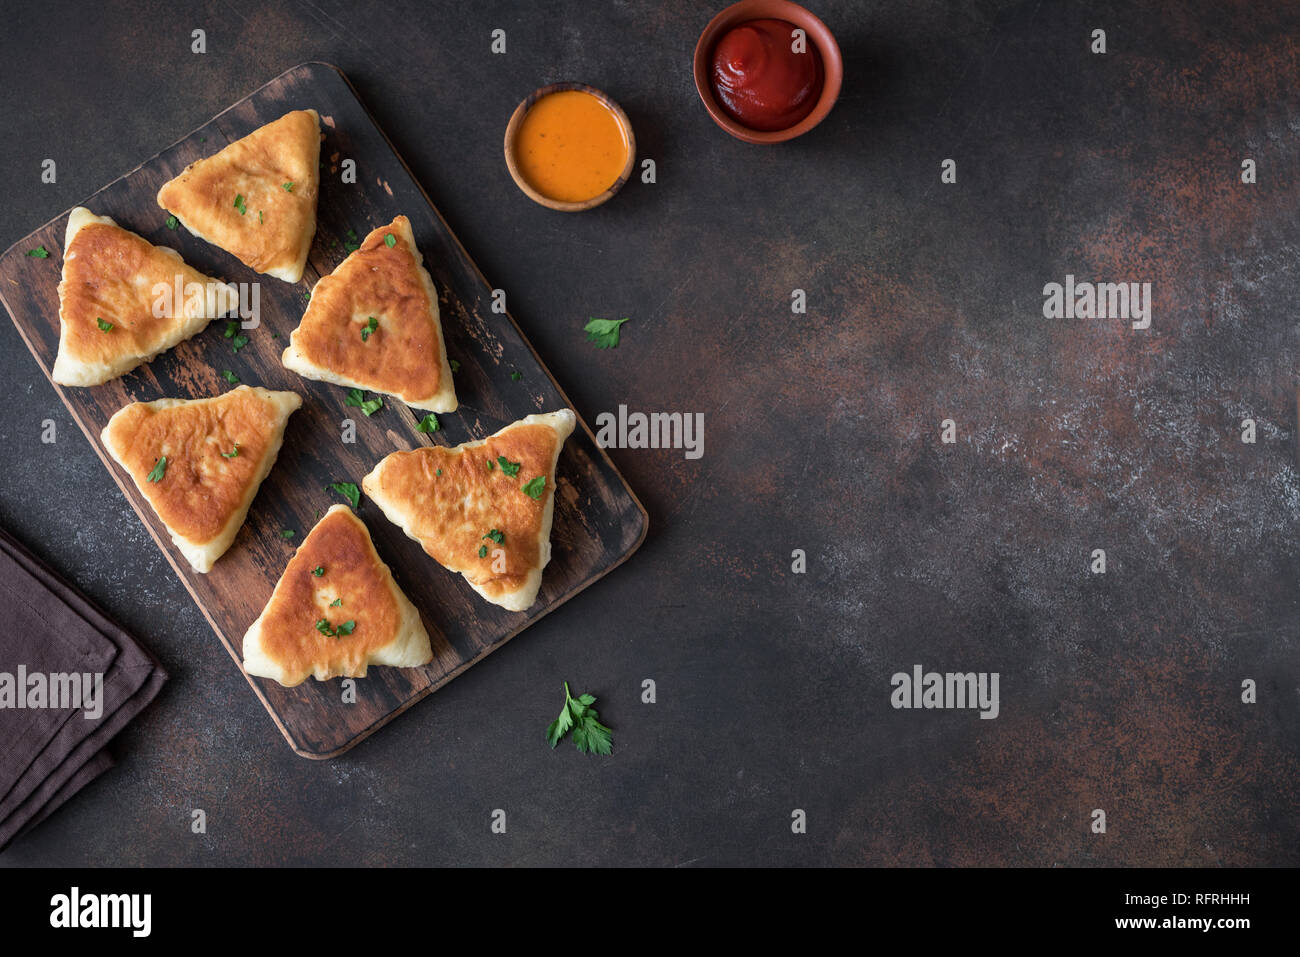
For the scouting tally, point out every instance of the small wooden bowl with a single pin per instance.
(517, 119)
(818, 34)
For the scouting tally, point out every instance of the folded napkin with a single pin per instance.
(50, 751)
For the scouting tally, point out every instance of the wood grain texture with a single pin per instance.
(598, 520)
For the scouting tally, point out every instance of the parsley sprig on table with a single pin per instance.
(603, 333)
(578, 716)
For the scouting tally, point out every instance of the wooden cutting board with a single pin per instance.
(598, 521)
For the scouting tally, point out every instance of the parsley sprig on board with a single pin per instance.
(579, 717)
(357, 399)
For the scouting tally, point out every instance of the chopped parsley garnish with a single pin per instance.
(288, 533)
(238, 342)
(482, 551)
(104, 325)
(323, 626)
(510, 468)
(232, 327)
(578, 716)
(172, 222)
(240, 204)
(260, 220)
(229, 376)
(491, 465)
(516, 376)
(390, 240)
(40, 252)
(352, 245)
(371, 325)
(346, 627)
(603, 333)
(455, 366)
(357, 399)
(337, 602)
(498, 537)
(318, 571)
(288, 187)
(348, 490)
(534, 488)
(439, 471)
(429, 423)
(233, 453)
(159, 470)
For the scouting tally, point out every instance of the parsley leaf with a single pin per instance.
(288, 187)
(232, 327)
(159, 470)
(352, 245)
(172, 222)
(534, 488)
(358, 399)
(578, 716)
(337, 602)
(40, 252)
(318, 571)
(496, 536)
(288, 533)
(491, 465)
(104, 325)
(260, 220)
(229, 376)
(348, 490)
(240, 204)
(455, 366)
(440, 471)
(390, 240)
(238, 342)
(368, 328)
(516, 376)
(482, 551)
(510, 468)
(346, 627)
(603, 333)
(429, 423)
(233, 453)
(323, 626)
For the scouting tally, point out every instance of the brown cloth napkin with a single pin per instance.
(47, 754)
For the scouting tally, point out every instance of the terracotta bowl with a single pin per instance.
(818, 34)
(517, 119)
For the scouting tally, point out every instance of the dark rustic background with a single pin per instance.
(1119, 691)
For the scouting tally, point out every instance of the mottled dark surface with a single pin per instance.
(1119, 691)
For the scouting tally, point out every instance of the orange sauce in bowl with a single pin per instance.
(570, 146)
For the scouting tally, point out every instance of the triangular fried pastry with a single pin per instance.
(483, 509)
(118, 305)
(335, 611)
(199, 462)
(256, 199)
(373, 324)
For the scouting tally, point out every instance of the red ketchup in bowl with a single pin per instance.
(759, 79)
